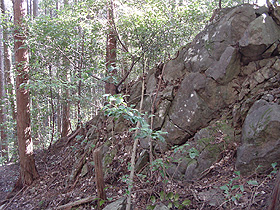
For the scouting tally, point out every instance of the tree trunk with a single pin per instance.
(8, 81)
(28, 171)
(65, 116)
(35, 8)
(3, 118)
(52, 106)
(111, 53)
(65, 105)
(58, 113)
(275, 197)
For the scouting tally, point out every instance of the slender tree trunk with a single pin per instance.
(35, 8)
(52, 106)
(58, 113)
(35, 120)
(80, 78)
(7, 71)
(65, 116)
(28, 8)
(111, 53)
(3, 117)
(28, 171)
(65, 106)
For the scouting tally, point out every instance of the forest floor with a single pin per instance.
(61, 183)
(52, 190)
(9, 174)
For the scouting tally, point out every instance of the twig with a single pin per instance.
(77, 203)
(130, 184)
(6, 206)
(153, 111)
(74, 65)
(128, 72)
(73, 135)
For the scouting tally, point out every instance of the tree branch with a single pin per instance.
(128, 72)
(77, 203)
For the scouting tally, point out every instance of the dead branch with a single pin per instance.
(128, 72)
(73, 135)
(130, 185)
(77, 203)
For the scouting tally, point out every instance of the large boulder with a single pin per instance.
(260, 138)
(260, 34)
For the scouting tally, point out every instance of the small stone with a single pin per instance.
(267, 72)
(259, 77)
(277, 65)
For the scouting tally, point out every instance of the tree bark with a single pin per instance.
(35, 8)
(111, 53)
(65, 104)
(58, 113)
(52, 107)
(99, 177)
(65, 117)
(275, 196)
(65, 107)
(3, 118)
(28, 171)
(7, 73)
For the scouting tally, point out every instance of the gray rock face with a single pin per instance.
(161, 207)
(200, 154)
(261, 33)
(117, 205)
(260, 137)
(210, 78)
(225, 69)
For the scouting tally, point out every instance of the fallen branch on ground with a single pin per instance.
(77, 203)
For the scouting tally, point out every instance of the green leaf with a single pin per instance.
(242, 188)
(101, 202)
(273, 165)
(225, 188)
(162, 195)
(237, 173)
(186, 202)
(151, 207)
(176, 197)
(170, 205)
(176, 204)
(153, 199)
(193, 152)
(170, 195)
(235, 187)
(252, 182)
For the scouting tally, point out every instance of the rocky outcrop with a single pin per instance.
(260, 137)
(117, 205)
(228, 67)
